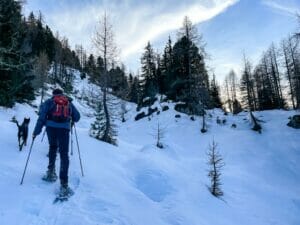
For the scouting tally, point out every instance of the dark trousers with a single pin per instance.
(59, 139)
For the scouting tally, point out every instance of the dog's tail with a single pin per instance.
(14, 120)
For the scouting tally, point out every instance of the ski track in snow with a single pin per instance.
(137, 183)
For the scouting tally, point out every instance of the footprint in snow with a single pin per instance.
(154, 184)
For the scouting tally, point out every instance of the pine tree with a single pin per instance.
(215, 93)
(166, 67)
(158, 75)
(189, 78)
(98, 70)
(148, 73)
(15, 85)
(118, 81)
(39, 42)
(49, 44)
(91, 69)
(98, 128)
(133, 95)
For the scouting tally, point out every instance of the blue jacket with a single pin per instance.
(44, 121)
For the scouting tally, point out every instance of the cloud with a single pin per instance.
(288, 7)
(135, 22)
(159, 24)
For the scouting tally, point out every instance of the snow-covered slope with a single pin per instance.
(136, 183)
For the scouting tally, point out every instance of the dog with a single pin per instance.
(22, 131)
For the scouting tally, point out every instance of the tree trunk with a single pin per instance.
(288, 74)
(277, 78)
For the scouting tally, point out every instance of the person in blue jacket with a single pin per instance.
(57, 114)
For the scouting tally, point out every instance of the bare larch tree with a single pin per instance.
(106, 48)
(215, 161)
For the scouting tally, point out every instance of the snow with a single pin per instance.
(136, 183)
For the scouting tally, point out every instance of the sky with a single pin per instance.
(229, 27)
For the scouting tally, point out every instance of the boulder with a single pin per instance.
(151, 110)
(165, 108)
(140, 116)
(294, 122)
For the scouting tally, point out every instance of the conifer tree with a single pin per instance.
(166, 67)
(15, 85)
(215, 93)
(189, 78)
(98, 128)
(91, 68)
(118, 81)
(148, 81)
(133, 95)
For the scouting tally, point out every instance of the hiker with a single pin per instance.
(57, 114)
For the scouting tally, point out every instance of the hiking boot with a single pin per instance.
(65, 191)
(50, 176)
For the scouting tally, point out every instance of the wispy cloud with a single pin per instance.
(136, 39)
(135, 22)
(287, 7)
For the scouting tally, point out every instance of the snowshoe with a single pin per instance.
(65, 192)
(50, 176)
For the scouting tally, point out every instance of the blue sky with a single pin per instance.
(229, 27)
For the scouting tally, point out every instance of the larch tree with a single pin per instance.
(235, 104)
(293, 55)
(40, 71)
(288, 70)
(106, 48)
(216, 163)
(247, 86)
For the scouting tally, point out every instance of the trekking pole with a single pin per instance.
(43, 135)
(78, 150)
(27, 161)
(71, 139)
